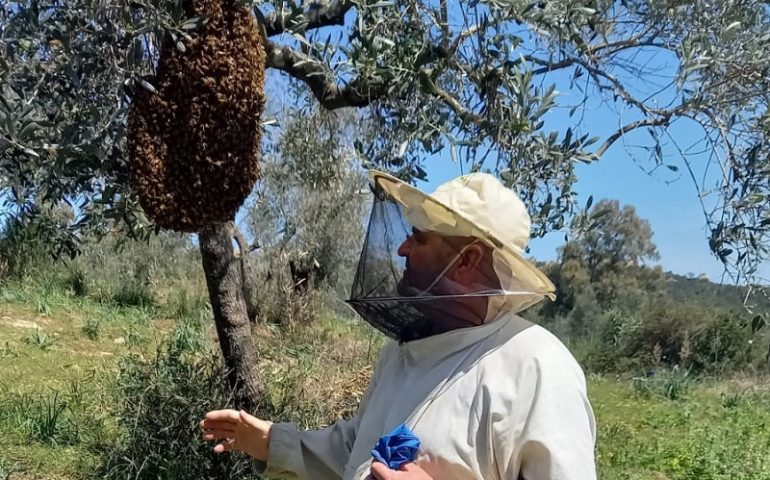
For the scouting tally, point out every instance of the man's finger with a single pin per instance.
(380, 471)
(210, 425)
(228, 415)
(218, 434)
(255, 422)
(224, 447)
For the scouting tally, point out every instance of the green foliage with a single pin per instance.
(6, 470)
(77, 281)
(163, 399)
(478, 81)
(308, 213)
(675, 383)
(643, 437)
(134, 295)
(619, 315)
(29, 240)
(38, 338)
(92, 328)
(723, 297)
(731, 400)
(46, 422)
(44, 418)
(182, 303)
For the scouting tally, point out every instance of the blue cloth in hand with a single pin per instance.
(397, 448)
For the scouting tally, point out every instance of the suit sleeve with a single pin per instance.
(317, 454)
(548, 431)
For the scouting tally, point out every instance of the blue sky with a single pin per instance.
(670, 205)
(667, 199)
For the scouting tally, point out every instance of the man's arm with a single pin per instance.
(549, 433)
(320, 454)
(284, 450)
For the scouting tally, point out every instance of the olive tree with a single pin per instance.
(474, 78)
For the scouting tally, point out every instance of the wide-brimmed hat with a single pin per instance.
(477, 205)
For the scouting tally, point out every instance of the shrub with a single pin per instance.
(162, 402)
(721, 344)
(134, 295)
(76, 281)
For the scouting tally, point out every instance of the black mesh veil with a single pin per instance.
(408, 300)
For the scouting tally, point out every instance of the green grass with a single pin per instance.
(58, 359)
(698, 435)
(62, 368)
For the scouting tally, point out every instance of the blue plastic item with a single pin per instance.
(397, 448)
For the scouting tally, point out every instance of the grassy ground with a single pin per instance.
(713, 430)
(60, 356)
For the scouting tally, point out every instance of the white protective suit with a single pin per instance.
(504, 400)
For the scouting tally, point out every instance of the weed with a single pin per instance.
(134, 338)
(7, 351)
(676, 383)
(77, 281)
(182, 304)
(39, 418)
(134, 295)
(6, 469)
(642, 387)
(46, 422)
(730, 400)
(188, 337)
(40, 339)
(42, 307)
(162, 402)
(92, 328)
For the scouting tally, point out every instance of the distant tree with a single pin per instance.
(609, 261)
(619, 239)
(308, 209)
(572, 280)
(36, 234)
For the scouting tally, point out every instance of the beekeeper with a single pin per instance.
(488, 394)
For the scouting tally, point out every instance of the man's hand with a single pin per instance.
(409, 471)
(239, 430)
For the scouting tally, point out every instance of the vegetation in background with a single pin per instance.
(620, 314)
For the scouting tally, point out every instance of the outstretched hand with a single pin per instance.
(408, 471)
(238, 431)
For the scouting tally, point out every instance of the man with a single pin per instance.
(488, 394)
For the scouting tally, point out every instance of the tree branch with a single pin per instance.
(318, 77)
(318, 14)
(465, 114)
(247, 285)
(646, 122)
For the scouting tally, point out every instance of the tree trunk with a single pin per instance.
(225, 283)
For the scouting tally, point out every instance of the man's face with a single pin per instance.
(426, 255)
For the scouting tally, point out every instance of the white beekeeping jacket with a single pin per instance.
(505, 400)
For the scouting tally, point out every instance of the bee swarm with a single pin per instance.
(194, 142)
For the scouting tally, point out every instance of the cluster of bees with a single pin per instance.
(194, 142)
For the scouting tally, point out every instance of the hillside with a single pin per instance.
(704, 292)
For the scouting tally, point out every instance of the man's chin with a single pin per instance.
(406, 289)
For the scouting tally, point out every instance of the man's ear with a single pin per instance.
(470, 261)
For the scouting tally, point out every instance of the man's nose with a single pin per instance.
(403, 249)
